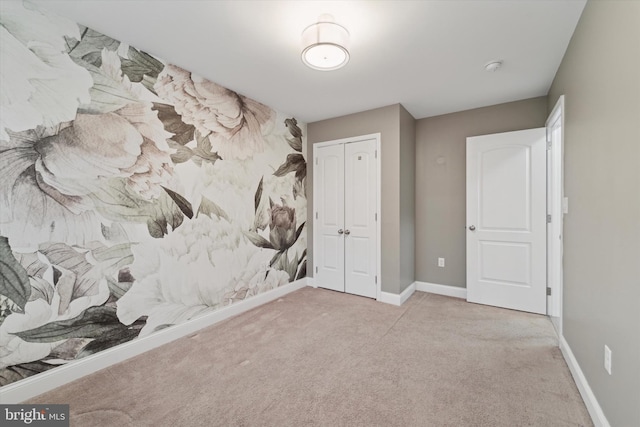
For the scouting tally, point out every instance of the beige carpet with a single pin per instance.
(317, 357)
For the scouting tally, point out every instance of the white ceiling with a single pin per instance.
(427, 55)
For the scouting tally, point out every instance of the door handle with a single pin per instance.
(472, 227)
(340, 231)
(347, 232)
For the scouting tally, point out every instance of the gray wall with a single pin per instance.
(407, 198)
(385, 120)
(600, 78)
(441, 185)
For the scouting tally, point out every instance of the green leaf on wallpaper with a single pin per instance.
(275, 260)
(294, 163)
(168, 212)
(292, 125)
(18, 372)
(301, 172)
(203, 142)
(117, 336)
(200, 156)
(107, 93)
(158, 223)
(281, 262)
(172, 122)
(296, 132)
(203, 150)
(116, 256)
(291, 267)
(157, 227)
(258, 196)
(94, 322)
(90, 42)
(182, 203)
(295, 143)
(14, 281)
(113, 232)
(101, 344)
(140, 64)
(149, 83)
(183, 154)
(174, 219)
(207, 207)
(258, 240)
(299, 188)
(93, 58)
(117, 288)
(302, 271)
(299, 231)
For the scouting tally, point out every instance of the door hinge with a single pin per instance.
(376, 280)
(548, 219)
(316, 214)
(548, 291)
(316, 269)
(548, 145)
(316, 160)
(375, 154)
(376, 214)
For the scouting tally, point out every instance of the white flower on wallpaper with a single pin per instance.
(134, 195)
(200, 267)
(39, 83)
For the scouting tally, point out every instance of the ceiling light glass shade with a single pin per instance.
(325, 45)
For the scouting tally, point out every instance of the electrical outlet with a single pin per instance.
(607, 359)
(440, 262)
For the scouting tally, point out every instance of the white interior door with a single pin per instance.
(506, 220)
(345, 227)
(360, 220)
(329, 223)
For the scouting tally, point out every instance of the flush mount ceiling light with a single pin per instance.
(325, 45)
(493, 66)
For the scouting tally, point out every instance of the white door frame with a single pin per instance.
(378, 164)
(556, 207)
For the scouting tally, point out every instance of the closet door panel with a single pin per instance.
(329, 174)
(360, 218)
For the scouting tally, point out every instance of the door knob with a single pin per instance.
(472, 227)
(340, 231)
(347, 232)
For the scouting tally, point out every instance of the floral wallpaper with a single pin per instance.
(134, 195)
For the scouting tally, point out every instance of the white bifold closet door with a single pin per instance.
(345, 224)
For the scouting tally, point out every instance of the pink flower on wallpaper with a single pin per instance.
(235, 124)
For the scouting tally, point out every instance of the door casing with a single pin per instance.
(556, 207)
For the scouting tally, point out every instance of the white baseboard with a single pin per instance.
(447, 290)
(311, 282)
(32, 386)
(597, 415)
(397, 299)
